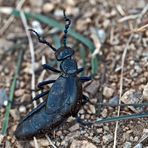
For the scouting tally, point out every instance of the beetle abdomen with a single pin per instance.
(38, 124)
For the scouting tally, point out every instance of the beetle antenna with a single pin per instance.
(41, 40)
(68, 22)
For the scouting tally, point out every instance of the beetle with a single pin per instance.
(65, 98)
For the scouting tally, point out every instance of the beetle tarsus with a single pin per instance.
(82, 122)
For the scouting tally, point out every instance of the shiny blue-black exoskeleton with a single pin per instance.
(65, 98)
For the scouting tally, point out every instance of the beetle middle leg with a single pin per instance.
(41, 95)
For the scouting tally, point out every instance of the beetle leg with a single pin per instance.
(84, 79)
(46, 66)
(45, 83)
(33, 111)
(41, 95)
(85, 100)
(80, 70)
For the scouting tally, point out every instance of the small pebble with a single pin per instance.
(82, 144)
(99, 130)
(19, 92)
(145, 92)
(48, 7)
(26, 98)
(107, 138)
(93, 87)
(138, 69)
(74, 127)
(127, 145)
(104, 113)
(114, 101)
(22, 109)
(139, 145)
(132, 96)
(108, 92)
(91, 109)
(15, 114)
(59, 133)
(44, 142)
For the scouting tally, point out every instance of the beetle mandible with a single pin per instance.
(65, 97)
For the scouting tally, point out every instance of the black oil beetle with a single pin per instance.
(65, 98)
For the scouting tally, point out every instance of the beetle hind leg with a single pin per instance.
(85, 100)
(41, 95)
(41, 84)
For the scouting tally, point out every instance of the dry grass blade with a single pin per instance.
(32, 60)
(141, 29)
(35, 142)
(50, 141)
(139, 17)
(12, 89)
(121, 85)
(11, 18)
(31, 52)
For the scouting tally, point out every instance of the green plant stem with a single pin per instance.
(124, 117)
(12, 89)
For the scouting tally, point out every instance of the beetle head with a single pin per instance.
(63, 53)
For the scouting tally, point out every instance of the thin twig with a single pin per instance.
(139, 16)
(129, 17)
(121, 85)
(33, 68)
(42, 75)
(120, 10)
(11, 18)
(35, 142)
(138, 30)
(31, 47)
(50, 141)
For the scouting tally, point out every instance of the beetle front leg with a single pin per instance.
(80, 70)
(41, 84)
(47, 67)
(84, 79)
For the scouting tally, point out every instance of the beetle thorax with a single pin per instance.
(69, 66)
